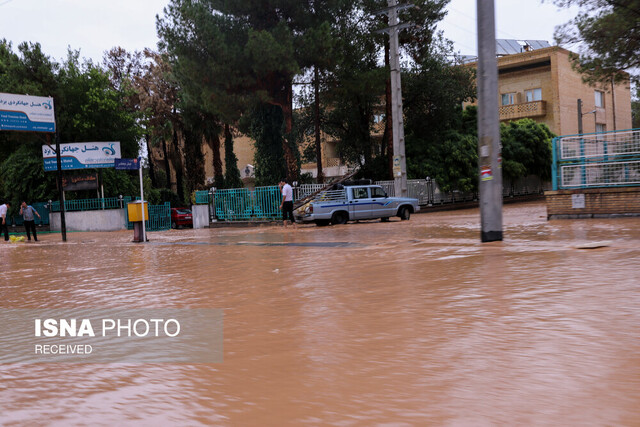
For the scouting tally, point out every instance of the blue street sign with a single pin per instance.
(127, 164)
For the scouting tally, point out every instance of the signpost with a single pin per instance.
(134, 164)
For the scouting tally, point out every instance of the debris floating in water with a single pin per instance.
(594, 245)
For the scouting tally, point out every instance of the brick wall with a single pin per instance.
(598, 202)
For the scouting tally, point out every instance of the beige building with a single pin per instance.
(541, 85)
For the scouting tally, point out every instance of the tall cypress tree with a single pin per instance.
(231, 171)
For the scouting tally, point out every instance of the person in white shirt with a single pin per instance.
(287, 202)
(3, 214)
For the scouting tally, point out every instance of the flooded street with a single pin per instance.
(400, 323)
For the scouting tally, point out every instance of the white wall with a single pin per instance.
(98, 220)
(200, 215)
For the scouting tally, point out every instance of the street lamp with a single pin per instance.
(580, 114)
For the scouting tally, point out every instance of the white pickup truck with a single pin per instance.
(356, 202)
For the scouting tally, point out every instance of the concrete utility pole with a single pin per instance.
(489, 146)
(399, 159)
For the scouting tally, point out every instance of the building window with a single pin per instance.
(508, 98)
(599, 99)
(534, 94)
(601, 128)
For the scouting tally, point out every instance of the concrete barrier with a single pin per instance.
(200, 215)
(98, 220)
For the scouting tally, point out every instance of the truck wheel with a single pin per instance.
(322, 222)
(339, 218)
(404, 213)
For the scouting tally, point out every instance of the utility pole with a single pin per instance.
(399, 158)
(489, 147)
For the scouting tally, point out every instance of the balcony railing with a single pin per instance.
(326, 163)
(520, 111)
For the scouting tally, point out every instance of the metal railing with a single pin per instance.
(330, 196)
(159, 215)
(202, 197)
(522, 110)
(241, 204)
(159, 218)
(305, 190)
(605, 159)
(91, 204)
(428, 192)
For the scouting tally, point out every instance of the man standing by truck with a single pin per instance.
(287, 202)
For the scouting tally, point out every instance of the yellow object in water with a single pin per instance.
(16, 239)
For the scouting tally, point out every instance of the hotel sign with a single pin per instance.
(82, 155)
(26, 113)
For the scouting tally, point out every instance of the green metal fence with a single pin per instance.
(240, 204)
(202, 197)
(91, 204)
(267, 202)
(159, 218)
(604, 159)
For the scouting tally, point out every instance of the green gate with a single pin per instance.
(240, 204)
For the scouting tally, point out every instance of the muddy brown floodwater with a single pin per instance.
(400, 323)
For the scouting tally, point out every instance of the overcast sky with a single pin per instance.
(95, 26)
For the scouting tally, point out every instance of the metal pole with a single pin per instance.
(579, 116)
(490, 180)
(63, 222)
(144, 233)
(399, 159)
(613, 103)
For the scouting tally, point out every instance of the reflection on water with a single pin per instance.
(405, 323)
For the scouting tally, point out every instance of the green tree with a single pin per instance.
(610, 34)
(88, 108)
(22, 176)
(453, 163)
(635, 109)
(434, 120)
(266, 130)
(526, 149)
(231, 173)
(228, 56)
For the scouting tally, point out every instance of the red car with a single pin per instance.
(181, 217)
